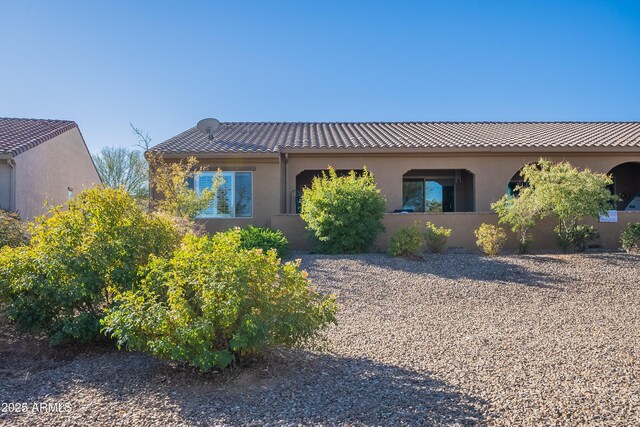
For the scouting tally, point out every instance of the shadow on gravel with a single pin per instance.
(462, 266)
(287, 388)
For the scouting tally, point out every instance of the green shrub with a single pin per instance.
(12, 231)
(407, 241)
(78, 259)
(490, 239)
(213, 302)
(521, 213)
(264, 238)
(344, 214)
(577, 237)
(630, 238)
(436, 237)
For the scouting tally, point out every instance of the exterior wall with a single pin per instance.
(43, 173)
(462, 226)
(5, 186)
(492, 172)
(266, 191)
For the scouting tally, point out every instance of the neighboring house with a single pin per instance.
(428, 167)
(42, 160)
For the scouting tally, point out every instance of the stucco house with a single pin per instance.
(42, 160)
(446, 172)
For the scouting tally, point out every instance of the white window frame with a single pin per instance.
(196, 186)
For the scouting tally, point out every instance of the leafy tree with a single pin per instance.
(213, 302)
(170, 180)
(570, 195)
(521, 212)
(123, 167)
(344, 214)
(80, 256)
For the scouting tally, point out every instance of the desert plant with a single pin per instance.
(569, 194)
(490, 239)
(79, 257)
(213, 302)
(578, 236)
(436, 237)
(12, 231)
(264, 238)
(407, 241)
(123, 167)
(630, 238)
(344, 214)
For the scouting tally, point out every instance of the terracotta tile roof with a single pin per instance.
(261, 137)
(19, 135)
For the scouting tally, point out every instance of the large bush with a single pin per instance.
(12, 231)
(630, 238)
(213, 302)
(436, 237)
(80, 256)
(344, 214)
(407, 242)
(264, 238)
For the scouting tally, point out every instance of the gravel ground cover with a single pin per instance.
(454, 339)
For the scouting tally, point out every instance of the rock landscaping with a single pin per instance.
(454, 339)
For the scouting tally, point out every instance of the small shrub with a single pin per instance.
(12, 231)
(407, 241)
(213, 302)
(78, 259)
(630, 238)
(436, 237)
(264, 238)
(576, 236)
(344, 214)
(490, 239)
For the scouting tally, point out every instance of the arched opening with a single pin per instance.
(305, 178)
(438, 190)
(626, 185)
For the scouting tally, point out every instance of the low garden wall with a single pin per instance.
(462, 225)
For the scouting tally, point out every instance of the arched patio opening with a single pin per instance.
(626, 185)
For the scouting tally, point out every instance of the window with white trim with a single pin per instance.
(234, 197)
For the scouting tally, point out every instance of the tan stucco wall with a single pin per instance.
(266, 191)
(462, 226)
(44, 172)
(5, 185)
(492, 172)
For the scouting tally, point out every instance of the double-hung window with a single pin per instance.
(233, 198)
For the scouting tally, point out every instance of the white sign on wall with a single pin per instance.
(611, 216)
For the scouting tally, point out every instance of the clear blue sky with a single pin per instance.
(165, 65)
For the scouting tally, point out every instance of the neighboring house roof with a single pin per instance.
(261, 137)
(19, 135)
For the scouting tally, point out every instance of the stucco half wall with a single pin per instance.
(462, 226)
(43, 173)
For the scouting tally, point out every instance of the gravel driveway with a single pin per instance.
(455, 339)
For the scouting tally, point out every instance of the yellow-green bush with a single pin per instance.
(630, 238)
(406, 241)
(79, 257)
(490, 239)
(436, 237)
(213, 302)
